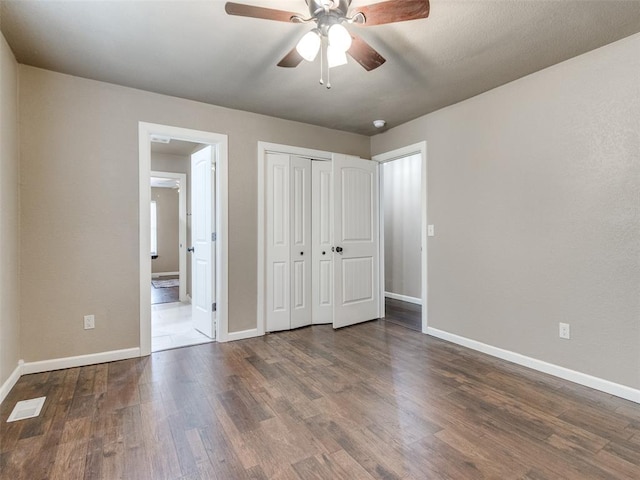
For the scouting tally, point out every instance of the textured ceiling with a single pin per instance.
(194, 50)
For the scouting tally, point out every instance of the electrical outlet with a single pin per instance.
(565, 331)
(89, 322)
(431, 231)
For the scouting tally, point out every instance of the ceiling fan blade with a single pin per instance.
(364, 54)
(258, 12)
(393, 11)
(291, 59)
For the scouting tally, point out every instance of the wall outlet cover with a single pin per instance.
(89, 322)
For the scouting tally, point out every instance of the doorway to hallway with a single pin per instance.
(172, 283)
(403, 236)
(172, 324)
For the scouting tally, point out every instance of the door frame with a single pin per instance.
(416, 148)
(182, 227)
(263, 149)
(220, 148)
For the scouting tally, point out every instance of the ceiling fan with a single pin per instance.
(330, 36)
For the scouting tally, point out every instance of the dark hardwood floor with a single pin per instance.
(165, 294)
(374, 400)
(406, 314)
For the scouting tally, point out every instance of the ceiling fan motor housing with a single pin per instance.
(339, 7)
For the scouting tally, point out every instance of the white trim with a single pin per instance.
(421, 148)
(596, 383)
(403, 298)
(11, 381)
(79, 361)
(220, 146)
(163, 274)
(241, 335)
(182, 230)
(263, 149)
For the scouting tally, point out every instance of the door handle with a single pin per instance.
(339, 250)
(191, 249)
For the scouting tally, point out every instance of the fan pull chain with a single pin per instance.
(321, 64)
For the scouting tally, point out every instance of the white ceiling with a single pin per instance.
(192, 49)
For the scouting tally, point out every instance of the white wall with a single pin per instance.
(402, 226)
(9, 216)
(534, 193)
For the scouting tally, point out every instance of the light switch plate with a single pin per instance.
(431, 231)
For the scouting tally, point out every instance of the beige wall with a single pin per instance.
(80, 205)
(167, 229)
(534, 193)
(9, 214)
(402, 226)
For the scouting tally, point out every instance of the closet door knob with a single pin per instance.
(339, 249)
(301, 253)
(324, 253)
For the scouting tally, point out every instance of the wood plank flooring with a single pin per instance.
(370, 401)
(407, 314)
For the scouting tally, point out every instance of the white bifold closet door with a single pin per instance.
(356, 240)
(288, 238)
(321, 241)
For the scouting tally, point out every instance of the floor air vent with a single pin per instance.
(26, 409)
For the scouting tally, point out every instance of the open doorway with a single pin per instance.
(403, 232)
(172, 281)
(171, 183)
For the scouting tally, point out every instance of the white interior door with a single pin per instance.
(356, 233)
(202, 271)
(300, 218)
(322, 259)
(278, 237)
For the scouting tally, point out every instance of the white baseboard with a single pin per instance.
(241, 335)
(10, 382)
(163, 274)
(79, 361)
(404, 298)
(596, 383)
(66, 362)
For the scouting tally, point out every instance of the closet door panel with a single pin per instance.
(278, 239)
(322, 266)
(300, 218)
(355, 228)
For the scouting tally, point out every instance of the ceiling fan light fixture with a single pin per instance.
(336, 57)
(339, 37)
(309, 45)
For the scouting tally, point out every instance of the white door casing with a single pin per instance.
(202, 270)
(278, 237)
(356, 238)
(322, 258)
(300, 227)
